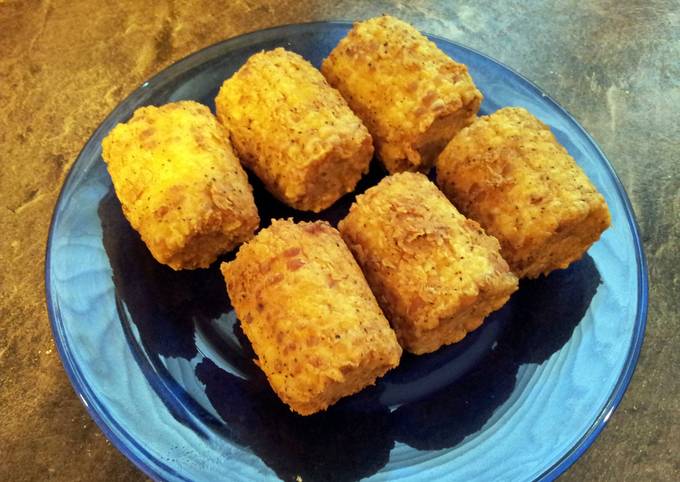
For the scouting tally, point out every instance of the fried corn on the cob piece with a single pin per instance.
(313, 322)
(412, 97)
(508, 172)
(180, 184)
(434, 272)
(293, 130)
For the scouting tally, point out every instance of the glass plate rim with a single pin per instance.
(126, 444)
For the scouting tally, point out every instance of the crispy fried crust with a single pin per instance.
(434, 272)
(293, 130)
(305, 306)
(180, 184)
(412, 97)
(508, 172)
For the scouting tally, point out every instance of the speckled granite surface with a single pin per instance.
(65, 65)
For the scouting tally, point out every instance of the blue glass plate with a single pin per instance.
(160, 362)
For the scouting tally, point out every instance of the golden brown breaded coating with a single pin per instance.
(434, 272)
(180, 184)
(508, 172)
(293, 130)
(412, 97)
(305, 306)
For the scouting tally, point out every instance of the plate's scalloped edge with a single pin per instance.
(155, 469)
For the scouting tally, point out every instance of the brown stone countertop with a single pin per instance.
(64, 65)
